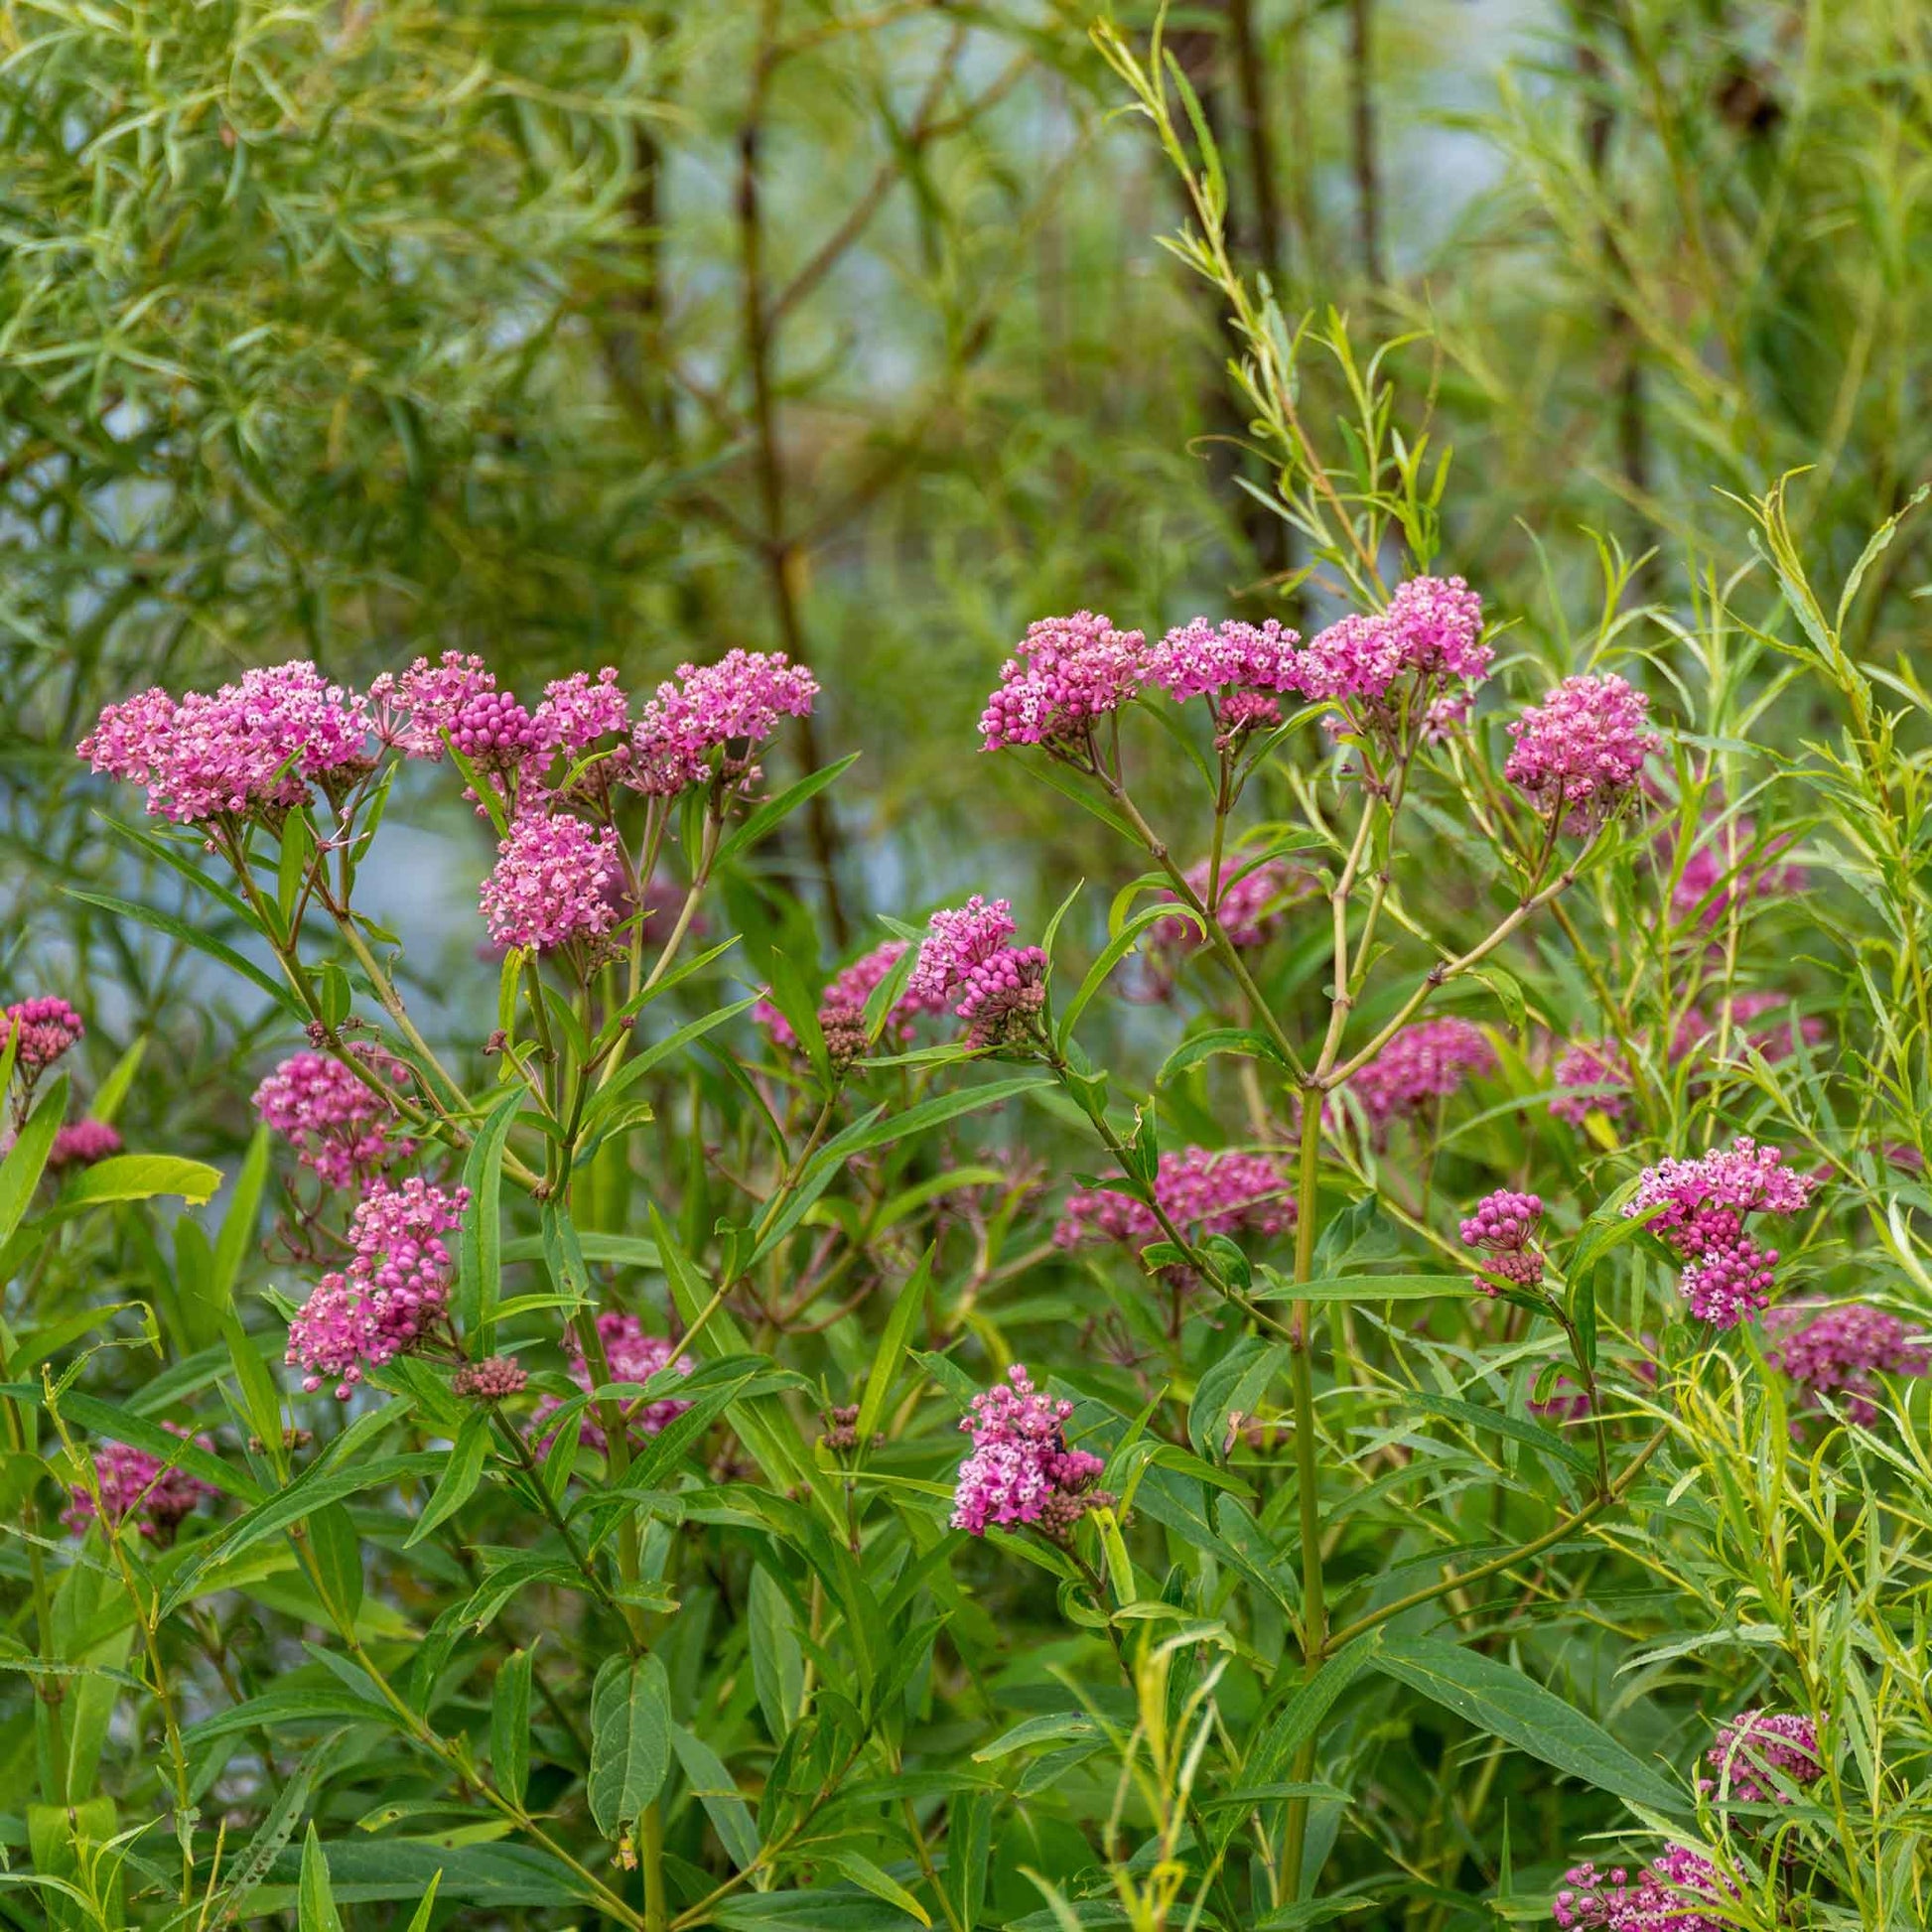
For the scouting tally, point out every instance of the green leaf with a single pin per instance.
(20, 1171)
(318, 1911)
(419, 1920)
(1216, 1039)
(510, 1724)
(1053, 1728)
(630, 1740)
(480, 1263)
(202, 942)
(777, 1659)
(1366, 1287)
(777, 810)
(1504, 1702)
(139, 1176)
(863, 1872)
(237, 1234)
(713, 1786)
(460, 1477)
(907, 1306)
(1233, 1385)
(1116, 949)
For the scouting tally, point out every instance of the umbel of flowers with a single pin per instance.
(1021, 1470)
(139, 1488)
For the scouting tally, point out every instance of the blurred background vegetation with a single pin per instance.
(578, 334)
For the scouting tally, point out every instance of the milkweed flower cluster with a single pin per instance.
(394, 1293)
(1670, 1894)
(633, 1355)
(249, 750)
(81, 1143)
(1020, 1470)
(1759, 1754)
(1579, 752)
(1841, 1352)
(1243, 669)
(710, 720)
(1422, 1063)
(1065, 675)
(842, 1005)
(965, 959)
(157, 1495)
(1422, 656)
(339, 1124)
(555, 885)
(493, 1379)
(1727, 1275)
(1504, 1226)
(1201, 1192)
(42, 1029)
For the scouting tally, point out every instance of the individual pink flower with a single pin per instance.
(338, 1124)
(1020, 1470)
(1201, 1193)
(729, 708)
(1726, 1276)
(413, 710)
(42, 1028)
(1758, 1755)
(392, 1295)
(1504, 1226)
(1841, 1352)
(554, 884)
(1065, 675)
(81, 1143)
(247, 751)
(135, 1484)
(633, 1357)
(1579, 752)
(1423, 1063)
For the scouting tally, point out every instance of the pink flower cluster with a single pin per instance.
(493, 1379)
(82, 1143)
(1243, 667)
(339, 1125)
(1201, 1192)
(411, 710)
(1066, 673)
(1504, 1226)
(556, 883)
(134, 1483)
(251, 749)
(1425, 1063)
(965, 958)
(633, 1357)
(394, 1290)
(1669, 1894)
(729, 707)
(1727, 1275)
(1756, 1750)
(42, 1029)
(1578, 754)
(842, 1008)
(1842, 1351)
(1020, 1470)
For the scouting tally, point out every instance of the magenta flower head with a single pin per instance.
(1020, 1470)
(339, 1124)
(1201, 1193)
(1759, 1754)
(711, 720)
(134, 1484)
(1241, 669)
(493, 1379)
(842, 1008)
(247, 751)
(1669, 1894)
(577, 711)
(412, 710)
(965, 958)
(633, 1357)
(1504, 1226)
(42, 1029)
(82, 1143)
(1415, 664)
(1841, 1352)
(1423, 1063)
(394, 1293)
(1066, 674)
(555, 885)
(1726, 1276)
(1579, 752)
